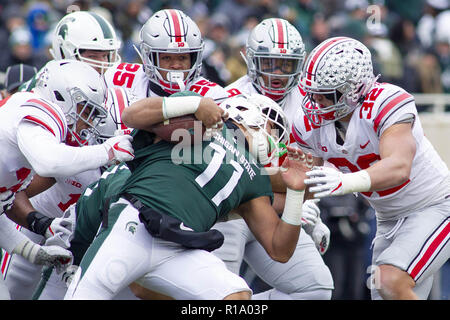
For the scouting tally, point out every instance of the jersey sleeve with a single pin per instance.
(209, 89)
(301, 131)
(261, 187)
(392, 107)
(47, 115)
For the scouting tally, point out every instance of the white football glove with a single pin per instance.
(6, 200)
(313, 225)
(55, 256)
(61, 230)
(310, 215)
(321, 236)
(325, 181)
(119, 149)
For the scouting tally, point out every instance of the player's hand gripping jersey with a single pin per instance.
(384, 105)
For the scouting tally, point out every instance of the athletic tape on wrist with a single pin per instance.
(179, 106)
(292, 213)
(356, 182)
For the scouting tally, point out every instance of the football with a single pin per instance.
(185, 129)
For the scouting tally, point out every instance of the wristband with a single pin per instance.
(27, 249)
(179, 106)
(38, 223)
(292, 213)
(356, 182)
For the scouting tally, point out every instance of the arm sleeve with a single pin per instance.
(50, 158)
(10, 237)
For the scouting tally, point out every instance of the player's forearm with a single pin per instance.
(143, 114)
(278, 202)
(10, 237)
(49, 158)
(22, 206)
(389, 172)
(397, 150)
(284, 241)
(286, 233)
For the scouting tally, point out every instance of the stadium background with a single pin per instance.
(409, 40)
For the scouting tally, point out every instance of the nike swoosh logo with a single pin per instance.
(116, 146)
(183, 227)
(363, 146)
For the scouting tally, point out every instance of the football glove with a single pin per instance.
(119, 149)
(61, 230)
(45, 255)
(321, 236)
(325, 181)
(313, 225)
(310, 215)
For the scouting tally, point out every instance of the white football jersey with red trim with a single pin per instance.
(132, 76)
(67, 190)
(385, 105)
(24, 106)
(290, 104)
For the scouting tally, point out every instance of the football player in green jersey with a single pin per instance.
(157, 228)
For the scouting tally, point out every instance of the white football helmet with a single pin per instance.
(274, 44)
(118, 100)
(340, 68)
(72, 83)
(259, 114)
(84, 30)
(171, 31)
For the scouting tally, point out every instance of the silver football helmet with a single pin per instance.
(339, 68)
(84, 30)
(171, 31)
(264, 120)
(79, 91)
(274, 44)
(118, 100)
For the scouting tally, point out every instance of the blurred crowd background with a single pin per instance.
(410, 39)
(410, 42)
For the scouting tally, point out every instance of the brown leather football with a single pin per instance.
(185, 129)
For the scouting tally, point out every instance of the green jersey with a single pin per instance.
(90, 207)
(196, 184)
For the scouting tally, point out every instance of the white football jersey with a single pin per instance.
(385, 105)
(290, 104)
(24, 106)
(65, 192)
(132, 76)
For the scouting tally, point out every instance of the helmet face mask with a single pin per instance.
(80, 92)
(171, 31)
(264, 121)
(341, 70)
(80, 31)
(274, 56)
(87, 113)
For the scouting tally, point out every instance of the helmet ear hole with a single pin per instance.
(58, 96)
